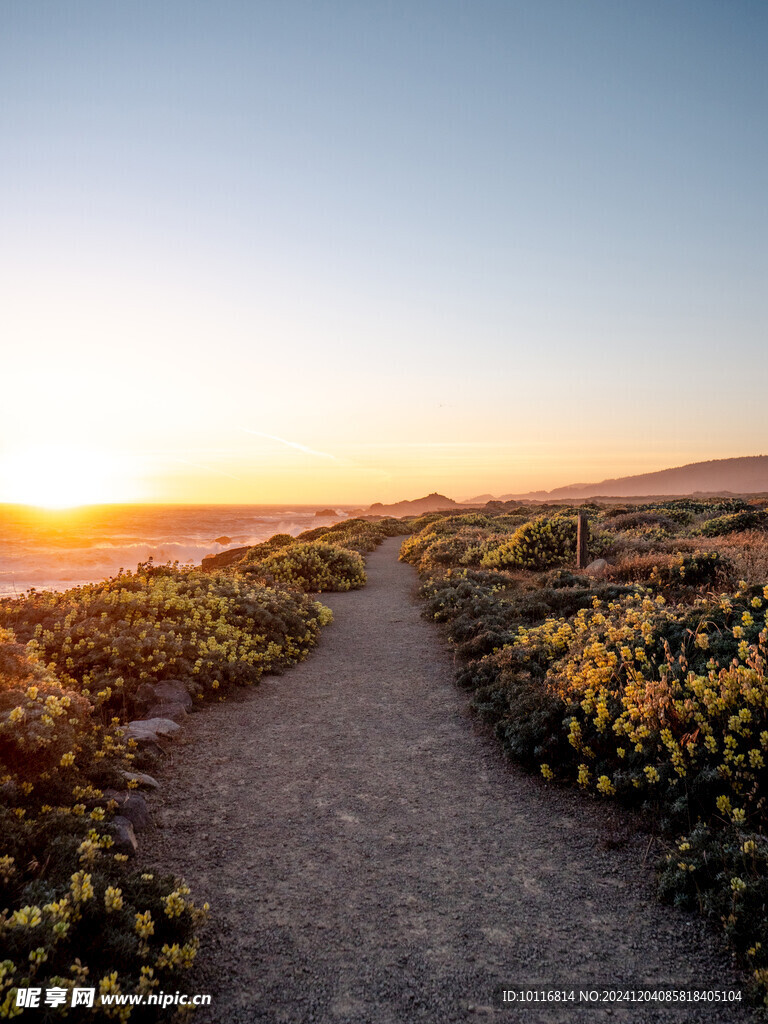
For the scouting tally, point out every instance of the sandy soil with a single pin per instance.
(371, 858)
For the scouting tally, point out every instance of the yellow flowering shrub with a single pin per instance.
(71, 911)
(361, 535)
(65, 898)
(314, 567)
(163, 622)
(647, 683)
(67, 903)
(546, 541)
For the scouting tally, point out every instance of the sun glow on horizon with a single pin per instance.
(63, 477)
(320, 273)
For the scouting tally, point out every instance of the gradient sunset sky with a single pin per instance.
(359, 251)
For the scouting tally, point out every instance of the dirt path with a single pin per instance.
(371, 859)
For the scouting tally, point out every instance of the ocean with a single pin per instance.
(57, 549)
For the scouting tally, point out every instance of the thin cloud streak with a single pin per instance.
(291, 444)
(393, 445)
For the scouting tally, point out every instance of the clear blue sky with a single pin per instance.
(474, 246)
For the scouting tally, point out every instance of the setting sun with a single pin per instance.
(60, 476)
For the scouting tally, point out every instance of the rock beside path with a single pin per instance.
(597, 567)
(169, 691)
(130, 805)
(141, 779)
(176, 712)
(152, 733)
(123, 836)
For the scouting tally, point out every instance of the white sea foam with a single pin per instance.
(55, 550)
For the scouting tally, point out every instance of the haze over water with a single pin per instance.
(58, 549)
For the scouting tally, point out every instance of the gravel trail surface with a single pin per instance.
(371, 858)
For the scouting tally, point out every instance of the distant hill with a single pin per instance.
(747, 475)
(431, 503)
(479, 499)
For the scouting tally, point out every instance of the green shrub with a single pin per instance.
(211, 630)
(70, 911)
(749, 519)
(645, 684)
(268, 547)
(412, 549)
(68, 904)
(633, 520)
(316, 567)
(361, 535)
(674, 573)
(539, 544)
(721, 869)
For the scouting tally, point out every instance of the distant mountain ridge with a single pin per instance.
(430, 503)
(745, 475)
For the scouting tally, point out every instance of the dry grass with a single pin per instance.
(634, 567)
(628, 544)
(748, 552)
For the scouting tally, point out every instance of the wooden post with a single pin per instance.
(582, 541)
